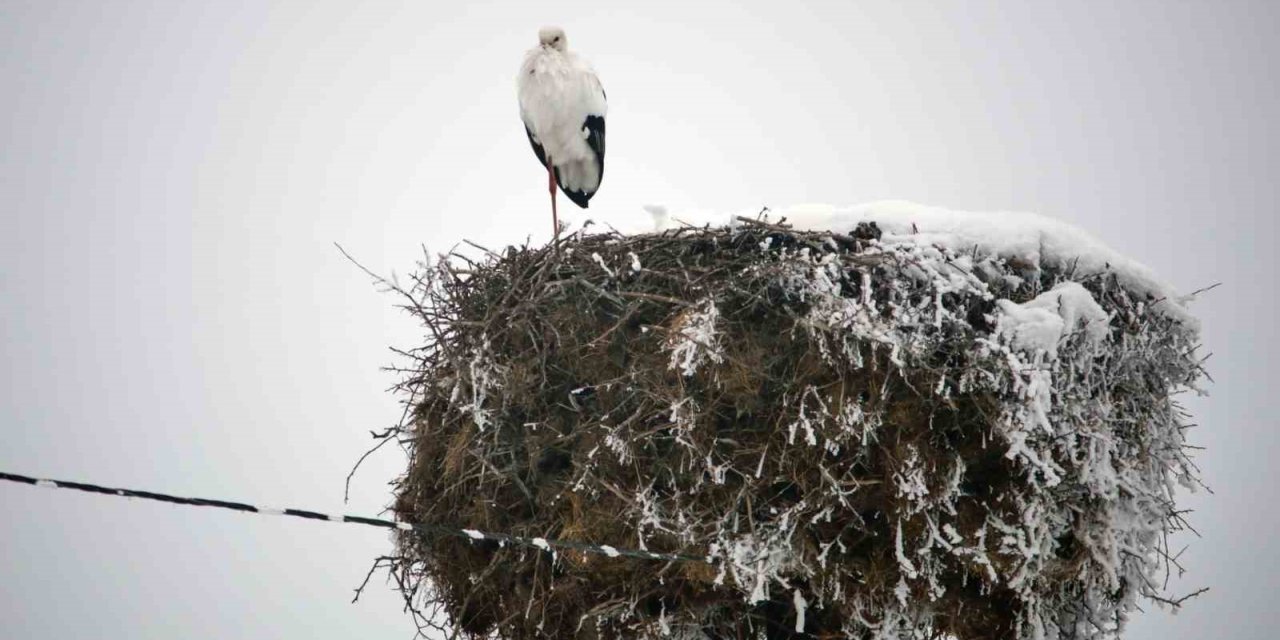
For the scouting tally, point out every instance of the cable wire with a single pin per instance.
(544, 544)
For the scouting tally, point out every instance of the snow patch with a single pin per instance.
(1039, 325)
(801, 605)
(661, 219)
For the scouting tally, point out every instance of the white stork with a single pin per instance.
(563, 106)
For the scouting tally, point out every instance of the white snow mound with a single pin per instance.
(1038, 325)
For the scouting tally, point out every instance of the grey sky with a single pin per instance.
(173, 315)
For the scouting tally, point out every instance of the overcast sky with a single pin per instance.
(174, 316)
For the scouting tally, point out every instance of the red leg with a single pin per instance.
(551, 186)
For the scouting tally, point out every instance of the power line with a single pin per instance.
(544, 544)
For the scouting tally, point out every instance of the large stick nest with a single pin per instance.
(850, 431)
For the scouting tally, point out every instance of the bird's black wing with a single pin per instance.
(595, 139)
(537, 148)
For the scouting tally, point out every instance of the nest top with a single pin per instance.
(1032, 240)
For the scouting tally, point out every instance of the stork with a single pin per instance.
(563, 107)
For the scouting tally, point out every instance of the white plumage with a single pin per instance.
(563, 108)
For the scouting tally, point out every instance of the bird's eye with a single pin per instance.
(556, 39)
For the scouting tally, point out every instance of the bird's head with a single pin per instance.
(552, 37)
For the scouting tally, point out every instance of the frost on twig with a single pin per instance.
(693, 339)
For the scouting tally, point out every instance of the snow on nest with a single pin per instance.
(1040, 324)
(1035, 240)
